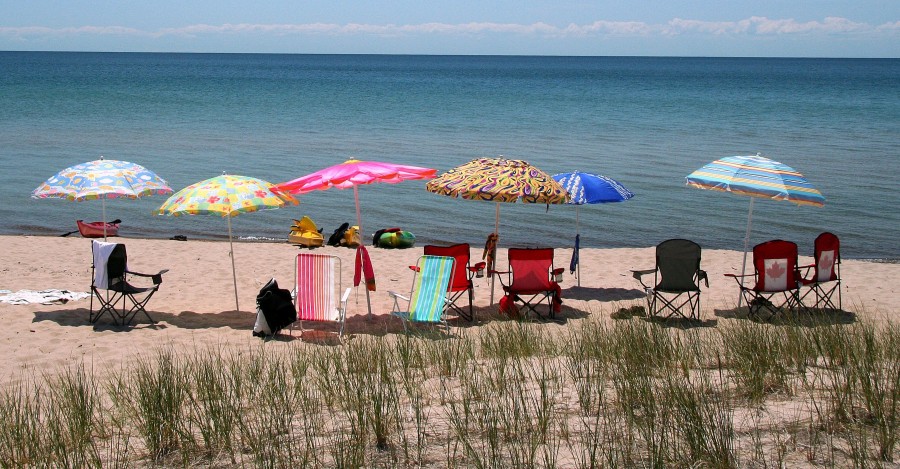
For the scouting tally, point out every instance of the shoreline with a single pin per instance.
(419, 243)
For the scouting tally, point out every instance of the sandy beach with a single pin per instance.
(195, 304)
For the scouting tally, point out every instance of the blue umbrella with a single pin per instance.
(588, 188)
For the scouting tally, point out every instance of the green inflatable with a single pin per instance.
(397, 240)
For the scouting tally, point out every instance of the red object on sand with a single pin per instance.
(94, 229)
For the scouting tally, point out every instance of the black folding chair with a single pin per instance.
(676, 280)
(110, 285)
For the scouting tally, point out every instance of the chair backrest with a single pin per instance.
(530, 269)
(429, 292)
(110, 262)
(317, 282)
(678, 262)
(827, 254)
(460, 253)
(775, 263)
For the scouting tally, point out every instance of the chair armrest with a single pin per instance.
(738, 278)
(500, 275)
(558, 270)
(637, 274)
(157, 277)
(701, 275)
(477, 267)
(394, 294)
(414, 268)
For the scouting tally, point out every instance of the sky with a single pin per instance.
(759, 28)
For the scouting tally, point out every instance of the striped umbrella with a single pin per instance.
(756, 176)
(588, 188)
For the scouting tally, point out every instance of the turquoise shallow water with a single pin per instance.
(646, 122)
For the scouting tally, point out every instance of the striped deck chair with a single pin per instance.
(317, 282)
(427, 301)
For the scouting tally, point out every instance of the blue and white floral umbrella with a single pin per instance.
(589, 188)
(102, 179)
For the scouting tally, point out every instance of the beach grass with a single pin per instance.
(626, 393)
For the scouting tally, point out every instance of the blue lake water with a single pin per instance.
(646, 122)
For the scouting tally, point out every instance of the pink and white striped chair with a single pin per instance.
(317, 283)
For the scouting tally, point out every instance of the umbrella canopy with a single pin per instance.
(499, 180)
(353, 173)
(102, 179)
(755, 176)
(225, 196)
(589, 188)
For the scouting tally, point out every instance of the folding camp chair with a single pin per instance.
(676, 280)
(823, 277)
(427, 301)
(317, 282)
(531, 279)
(110, 285)
(461, 283)
(776, 277)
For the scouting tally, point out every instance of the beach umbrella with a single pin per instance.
(757, 177)
(102, 179)
(588, 188)
(499, 180)
(226, 196)
(352, 174)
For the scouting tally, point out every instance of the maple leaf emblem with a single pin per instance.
(776, 271)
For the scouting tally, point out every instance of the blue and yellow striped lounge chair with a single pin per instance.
(427, 301)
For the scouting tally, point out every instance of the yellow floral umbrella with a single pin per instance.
(227, 196)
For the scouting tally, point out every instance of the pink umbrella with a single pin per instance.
(353, 173)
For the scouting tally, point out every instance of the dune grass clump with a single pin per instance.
(628, 393)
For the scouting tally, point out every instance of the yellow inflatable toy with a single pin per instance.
(305, 233)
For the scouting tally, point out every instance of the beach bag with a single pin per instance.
(338, 235)
(508, 307)
(274, 310)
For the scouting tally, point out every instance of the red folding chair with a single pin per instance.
(531, 279)
(823, 277)
(776, 276)
(461, 283)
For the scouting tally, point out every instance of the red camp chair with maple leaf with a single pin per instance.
(777, 279)
(823, 277)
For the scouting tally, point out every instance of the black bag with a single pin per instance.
(338, 235)
(274, 310)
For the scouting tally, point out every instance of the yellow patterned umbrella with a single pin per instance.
(227, 196)
(499, 180)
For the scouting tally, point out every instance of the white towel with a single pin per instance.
(101, 250)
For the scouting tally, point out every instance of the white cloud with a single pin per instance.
(759, 26)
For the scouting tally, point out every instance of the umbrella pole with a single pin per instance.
(103, 205)
(233, 270)
(577, 234)
(496, 232)
(746, 247)
(359, 225)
